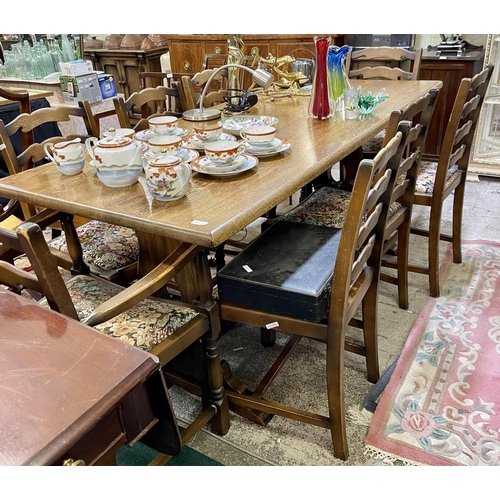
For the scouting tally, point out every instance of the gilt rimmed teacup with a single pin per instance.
(222, 153)
(169, 143)
(259, 135)
(208, 132)
(163, 125)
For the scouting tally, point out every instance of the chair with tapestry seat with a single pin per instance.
(309, 281)
(135, 111)
(327, 205)
(163, 328)
(110, 251)
(437, 180)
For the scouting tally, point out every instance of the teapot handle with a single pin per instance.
(90, 145)
(48, 150)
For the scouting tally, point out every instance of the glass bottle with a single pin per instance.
(338, 78)
(319, 105)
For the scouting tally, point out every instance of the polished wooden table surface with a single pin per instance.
(34, 94)
(216, 208)
(61, 385)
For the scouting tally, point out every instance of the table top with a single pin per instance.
(216, 208)
(59, 377)
(34, 94)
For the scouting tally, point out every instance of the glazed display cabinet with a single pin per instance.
(485, 155)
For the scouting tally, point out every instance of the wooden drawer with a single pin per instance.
(185, 57)
(100, 444)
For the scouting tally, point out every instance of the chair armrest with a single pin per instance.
(153, 281)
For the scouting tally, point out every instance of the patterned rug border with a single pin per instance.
(389, 454)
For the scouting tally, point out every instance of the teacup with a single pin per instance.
(120, 132)
(259, 135)
(222, 153)
(163, 125)
(169, 143)
(208, 132)
(67, 155)
(167, 177)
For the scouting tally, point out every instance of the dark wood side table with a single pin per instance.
(450, 70)
(69, 393)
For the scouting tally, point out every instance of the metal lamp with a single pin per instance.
(260, 77)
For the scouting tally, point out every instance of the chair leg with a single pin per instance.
(402, 262)
(267, 337)
(370, 333)
(433, 253)
(458, 206)
(335, 391)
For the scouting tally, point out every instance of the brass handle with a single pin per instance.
(187, 65)
(217, 50)
(71, 462)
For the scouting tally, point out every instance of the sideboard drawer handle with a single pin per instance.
(71, 462)
(187, 65)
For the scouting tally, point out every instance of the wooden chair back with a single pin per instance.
(23, 97)
(34, 153)
(384, 63)
(457, 141)
(192, 88)
(134, 111)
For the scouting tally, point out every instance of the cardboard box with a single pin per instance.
(107, 84)
(79, 88)
(76, 68)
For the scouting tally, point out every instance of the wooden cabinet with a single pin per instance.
(450, 70)
(187, 51)
(80, 403)
(125, 65)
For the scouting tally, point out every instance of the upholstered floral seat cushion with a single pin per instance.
(427, 174)
(374, 145)
(104, 245)
(325, 207)
(144, 325)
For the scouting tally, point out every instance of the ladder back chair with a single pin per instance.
(327, 205)
(436, 181)
(163, 328)
(110, 251)
(192, 88)
(329, 272)
(13, 207)
(384, 63)
(135, 111)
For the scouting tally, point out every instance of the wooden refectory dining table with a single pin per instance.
(215, 208)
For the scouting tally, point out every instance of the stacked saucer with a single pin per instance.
(273, 148)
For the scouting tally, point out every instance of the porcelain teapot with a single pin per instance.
(167, 176)
(117, 151)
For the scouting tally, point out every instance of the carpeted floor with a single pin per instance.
(286, 442)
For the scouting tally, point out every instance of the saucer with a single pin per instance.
(200, 166)
(144, 135)
(188, 154)
(209, 166)
(236, 124)
(192, 141)
(278, 146)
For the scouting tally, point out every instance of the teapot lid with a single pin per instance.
(114, 142)
(163, 160)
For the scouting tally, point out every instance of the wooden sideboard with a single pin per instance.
(125, 65)
(70, 393)
(450, 70)
(187, 51)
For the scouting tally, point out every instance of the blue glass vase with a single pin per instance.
(337, 74)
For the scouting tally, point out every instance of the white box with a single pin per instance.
(76, 68)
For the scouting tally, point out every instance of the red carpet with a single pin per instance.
(442, 403)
